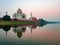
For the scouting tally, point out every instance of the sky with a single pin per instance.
(46, 9)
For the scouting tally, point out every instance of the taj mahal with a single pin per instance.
(19, 15)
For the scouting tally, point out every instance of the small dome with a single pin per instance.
(6, 17)
(19, 11)
(24, 16)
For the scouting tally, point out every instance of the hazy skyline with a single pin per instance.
(46, 9)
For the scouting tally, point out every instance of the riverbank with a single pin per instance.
(3, 23)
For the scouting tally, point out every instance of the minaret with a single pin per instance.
(6, 12)
(31, 15)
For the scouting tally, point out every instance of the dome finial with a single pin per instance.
(19, 11)
(6, 12)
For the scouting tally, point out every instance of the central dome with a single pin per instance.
(19, 11)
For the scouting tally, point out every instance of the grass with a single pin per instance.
(3, 23)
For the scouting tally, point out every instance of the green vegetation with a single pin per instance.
(3, 23)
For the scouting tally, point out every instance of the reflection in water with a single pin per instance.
(6, 28)
(46, 35)
(19, 30)
(32, 27)
(42, 24)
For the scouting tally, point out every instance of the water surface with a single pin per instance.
(30, 35)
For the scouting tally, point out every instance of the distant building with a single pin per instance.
(6, 17)
(19, 15)
(34, 19)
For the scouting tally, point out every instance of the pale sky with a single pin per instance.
(46, 9)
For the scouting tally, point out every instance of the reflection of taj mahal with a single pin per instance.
(19, 15)
(19, 31)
